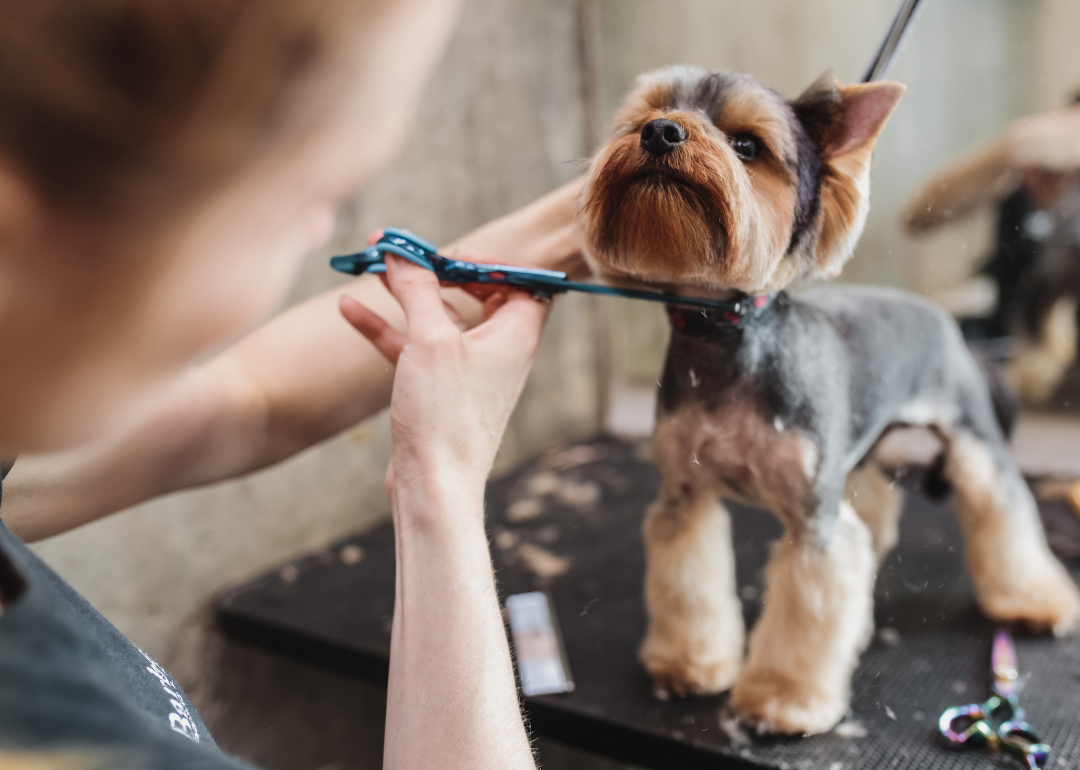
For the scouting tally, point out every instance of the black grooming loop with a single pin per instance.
(900, 25)
(544, 283)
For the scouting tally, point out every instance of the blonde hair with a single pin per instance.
(111, 102)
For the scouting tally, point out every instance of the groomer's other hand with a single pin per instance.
(454, 391)
(1048, 140)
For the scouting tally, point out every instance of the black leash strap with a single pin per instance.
(892, 41)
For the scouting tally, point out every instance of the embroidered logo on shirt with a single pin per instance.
(180, 719)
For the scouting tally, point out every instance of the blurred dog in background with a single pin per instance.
(714, 186)
(1047, 334)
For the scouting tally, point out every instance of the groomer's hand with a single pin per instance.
(454, 390)
(1047, 140)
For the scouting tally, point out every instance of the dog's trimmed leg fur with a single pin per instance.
(695, 639)
(1016, 577)
(817, 619)
(878, 501)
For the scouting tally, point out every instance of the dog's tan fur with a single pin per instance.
(817, 619)
(879, 501)
(695, 640)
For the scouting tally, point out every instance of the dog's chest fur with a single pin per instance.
(723, 415)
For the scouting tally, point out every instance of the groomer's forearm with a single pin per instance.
(452, 701)
(254, 405)
(248, 408)
(982, 177)
(543, 234)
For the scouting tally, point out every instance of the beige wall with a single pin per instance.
(501, 125)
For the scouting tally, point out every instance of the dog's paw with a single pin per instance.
(1049, 603)
(683, 677)
(772, 703)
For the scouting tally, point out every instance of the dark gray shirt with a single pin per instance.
(71, 682)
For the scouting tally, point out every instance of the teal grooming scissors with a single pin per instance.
(998, 724)
(541, 282)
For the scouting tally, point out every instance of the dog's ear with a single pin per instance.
(843, 122)
(860, 116)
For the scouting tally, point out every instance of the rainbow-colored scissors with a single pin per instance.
(998, 723)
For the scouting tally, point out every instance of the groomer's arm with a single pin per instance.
(977, 179)
(1048, 140)
(299, 379)
(451, 701)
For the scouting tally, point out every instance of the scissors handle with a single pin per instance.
(1019, 738)
(972, 726)
(968, 726)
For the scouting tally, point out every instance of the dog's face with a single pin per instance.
(712, 180)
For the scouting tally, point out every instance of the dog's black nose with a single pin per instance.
(661, 135)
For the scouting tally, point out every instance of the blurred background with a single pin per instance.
(523, 96)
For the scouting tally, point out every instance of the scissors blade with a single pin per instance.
(1004, 672)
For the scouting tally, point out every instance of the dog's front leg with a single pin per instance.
(694, 644)
(817, 619)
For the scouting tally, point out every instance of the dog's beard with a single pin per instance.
(663, 228)
(685, 218)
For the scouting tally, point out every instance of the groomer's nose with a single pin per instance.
(661, 135)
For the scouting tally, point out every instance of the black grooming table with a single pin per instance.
(584, 504)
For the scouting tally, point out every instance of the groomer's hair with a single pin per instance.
(109, 104)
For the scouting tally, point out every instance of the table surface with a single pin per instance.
(584, 504)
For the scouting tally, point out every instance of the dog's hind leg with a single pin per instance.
(695, 640)
(1016, 577)
(878, 500)
(817, 619)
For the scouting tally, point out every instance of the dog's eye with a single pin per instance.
(746, 146)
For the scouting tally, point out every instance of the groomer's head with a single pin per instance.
(164, 164)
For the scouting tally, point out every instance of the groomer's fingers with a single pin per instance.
(386, 339)
(417, 290)
(494, 301)
(515, 323)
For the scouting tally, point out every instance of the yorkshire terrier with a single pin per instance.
(715, 186)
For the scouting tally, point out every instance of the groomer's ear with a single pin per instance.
(844, 123)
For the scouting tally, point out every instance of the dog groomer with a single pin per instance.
(164, 165)
(1024, 171)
